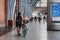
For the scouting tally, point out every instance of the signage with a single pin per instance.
(55, 9)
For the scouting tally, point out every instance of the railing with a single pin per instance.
(11, 9)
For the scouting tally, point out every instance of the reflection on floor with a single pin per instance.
(36, 31)
(53, 35)
(4, 30)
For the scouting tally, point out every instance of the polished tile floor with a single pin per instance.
(53, 35)
(36, 31)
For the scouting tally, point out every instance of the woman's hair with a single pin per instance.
(19, 13)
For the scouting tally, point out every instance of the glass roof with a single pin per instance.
(42, 3)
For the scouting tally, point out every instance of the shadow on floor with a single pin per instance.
(4, 30)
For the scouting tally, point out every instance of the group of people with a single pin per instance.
(23, 20)
(35, 18)
(19, 21)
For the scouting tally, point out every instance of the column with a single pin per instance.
(6, 13)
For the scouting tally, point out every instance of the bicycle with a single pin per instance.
(24, 30)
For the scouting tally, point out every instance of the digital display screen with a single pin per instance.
(56, 9)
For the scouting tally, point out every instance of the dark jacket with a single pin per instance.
(18, 20)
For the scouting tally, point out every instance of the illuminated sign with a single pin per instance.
(55, 9)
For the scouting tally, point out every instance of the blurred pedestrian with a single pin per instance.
(39, 19)
(18, 23)
(35, 18)
(24, 19)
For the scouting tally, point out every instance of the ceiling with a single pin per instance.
(41, 4)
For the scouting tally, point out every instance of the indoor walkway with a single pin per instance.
(36, 31)
(53, 35)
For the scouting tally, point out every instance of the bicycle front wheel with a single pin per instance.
(24, 33)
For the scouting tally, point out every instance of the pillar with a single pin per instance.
(6, 13)
(11, 22)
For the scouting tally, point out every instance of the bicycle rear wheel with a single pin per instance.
(24, 34)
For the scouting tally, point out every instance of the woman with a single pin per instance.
(24, 20)
(18, 23)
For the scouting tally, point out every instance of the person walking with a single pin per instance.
(18, 23)
(24, 20)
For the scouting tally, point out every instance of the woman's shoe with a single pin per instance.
(19, 34)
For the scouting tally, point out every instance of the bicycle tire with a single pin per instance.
(24, 34)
